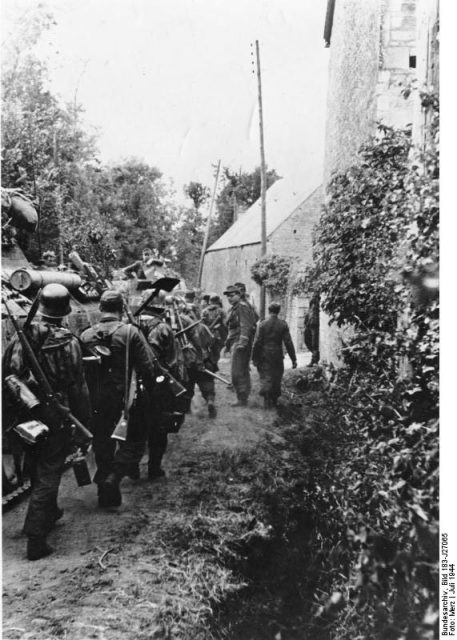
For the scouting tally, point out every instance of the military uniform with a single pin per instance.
(311, 331)
(267, 355)
(214, 318)
(161, 339)
(241, 328)
(59, 354)
(199, 356)
(109, 397)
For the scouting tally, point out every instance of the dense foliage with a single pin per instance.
(377, 495)
(272, 271)
(240, 190)
(198, 193)
(188, 244)
(107, 213)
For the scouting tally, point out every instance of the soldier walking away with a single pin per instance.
(192, 305)
(161, 339)
(241, 328)
(200, 356)
(213, 317)
(311, 331)
(113, 341)
(268, 356)
(204, 301)
(58, 352)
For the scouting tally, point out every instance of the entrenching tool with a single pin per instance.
(162, 284)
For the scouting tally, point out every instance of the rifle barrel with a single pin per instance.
(220, 378)
(191, 326)
(42, 380)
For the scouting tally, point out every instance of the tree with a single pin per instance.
(189, 241)
(46, 151)
(134, 202)
(239, 192)
(198, 193)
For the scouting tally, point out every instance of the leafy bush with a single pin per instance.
(272, 271)
(376, 495)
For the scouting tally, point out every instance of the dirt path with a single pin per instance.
(87, 588)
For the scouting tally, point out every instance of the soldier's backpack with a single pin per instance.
(97, 358)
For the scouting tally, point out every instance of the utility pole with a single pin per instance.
(58, 200)
(208, 223)
(263, 181)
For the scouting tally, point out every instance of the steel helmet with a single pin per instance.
(54, 301)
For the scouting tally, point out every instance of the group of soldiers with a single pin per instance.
(131, 381)
(262, 342)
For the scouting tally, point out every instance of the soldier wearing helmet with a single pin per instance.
(117, 337)
(161, 339)
(59, 354)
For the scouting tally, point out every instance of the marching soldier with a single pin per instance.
(58, 353)
(197, 348)
(113, 338)
(204, 301)
(241, 328)
(267, 354)
(161, 339)
(192, 306)
(213, 317)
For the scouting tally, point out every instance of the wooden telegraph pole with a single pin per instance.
(58, 199)
(263, 181)
(208, 223)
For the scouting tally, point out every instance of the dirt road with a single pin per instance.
(106, 578)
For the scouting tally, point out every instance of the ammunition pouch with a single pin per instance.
(20, 393)
(171, 422)
(32, 431)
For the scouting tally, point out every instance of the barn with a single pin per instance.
(291, 216)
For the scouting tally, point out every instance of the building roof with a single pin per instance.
(283, 199)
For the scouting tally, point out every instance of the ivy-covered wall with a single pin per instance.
(372, 49)
(292, 238)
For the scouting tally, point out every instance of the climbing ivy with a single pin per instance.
(376, 265)
(272, 271)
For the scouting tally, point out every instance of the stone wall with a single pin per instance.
(226, 266)
(372, 58)
(292, 238)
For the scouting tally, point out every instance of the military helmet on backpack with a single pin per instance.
(54, 301)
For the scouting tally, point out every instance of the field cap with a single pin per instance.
(232, 289)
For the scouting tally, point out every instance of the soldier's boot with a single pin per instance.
(212, 411)
(37, 548)
(133, 471)
(58, 514)
(155, 470)
(109, 492)
(241, 402)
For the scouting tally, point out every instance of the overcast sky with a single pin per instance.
(171, 81)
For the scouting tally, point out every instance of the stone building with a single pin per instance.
(291, 217)
(377, 49)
